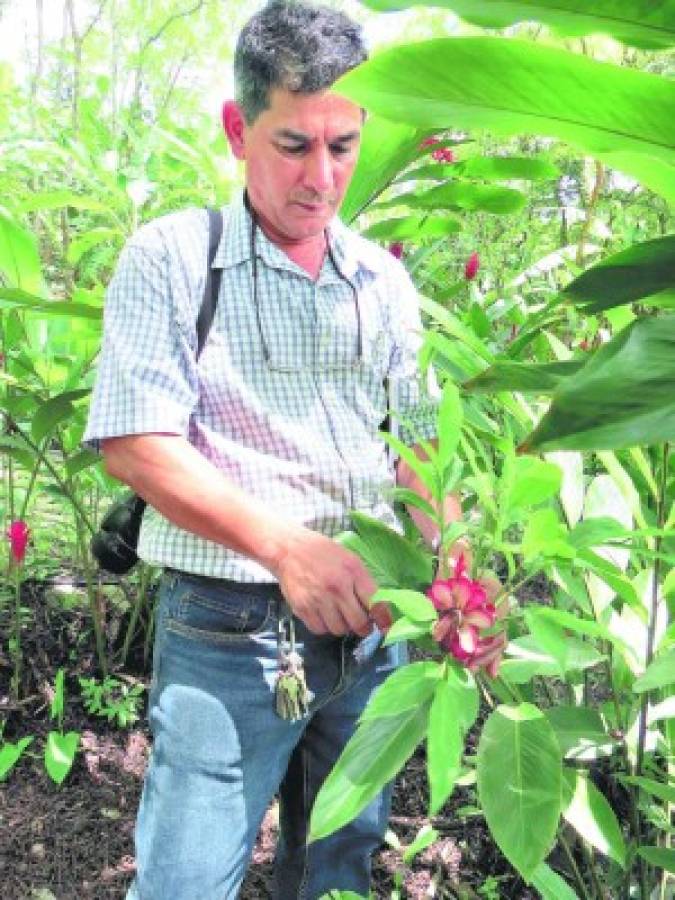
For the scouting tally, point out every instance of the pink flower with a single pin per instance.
(443, 154)
(471, 267)
(464, 610)
(396, 249)
(429, 142)
(18, 534)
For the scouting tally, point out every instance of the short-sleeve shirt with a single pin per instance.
(286, 399)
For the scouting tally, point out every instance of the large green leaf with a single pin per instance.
(661, 857)
(54, 411)
(550, 885)
(638, 273)
(659, 673)
(415, 229)
(514, 87)
(19, 258)
(639, 23)
(587, 810)
(71, 309)
(406, 688)
(535, 378)
(520, 784)
(580, 732)
(461, 196)
(10, 754)
(623, 396)
(386, 148)
(445, 742)
(372, 757)
(399, 562)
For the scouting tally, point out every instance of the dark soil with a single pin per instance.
(76, 841)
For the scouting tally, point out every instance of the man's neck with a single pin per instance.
(308, 253)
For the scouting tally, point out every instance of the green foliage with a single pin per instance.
(112, 699)
(519, 784)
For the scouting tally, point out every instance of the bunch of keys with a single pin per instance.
(291, 694)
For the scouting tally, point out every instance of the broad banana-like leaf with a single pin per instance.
(386, 149)
(624, 395)
(515, 87)
(641, 272)
(639, 23)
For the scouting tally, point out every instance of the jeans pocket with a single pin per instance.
(218, 611)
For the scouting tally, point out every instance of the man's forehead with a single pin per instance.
(299, 134)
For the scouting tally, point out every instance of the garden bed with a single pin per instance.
(76, 841)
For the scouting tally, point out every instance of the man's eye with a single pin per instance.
(341, 149)
(294, 148)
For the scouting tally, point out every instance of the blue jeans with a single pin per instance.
(220, 751)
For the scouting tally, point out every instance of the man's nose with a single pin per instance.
(319, 171)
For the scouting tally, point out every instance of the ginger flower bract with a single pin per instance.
(18, 534)
(463, 612)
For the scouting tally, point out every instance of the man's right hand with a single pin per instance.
(327, 586)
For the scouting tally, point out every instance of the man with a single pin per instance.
(250, 459)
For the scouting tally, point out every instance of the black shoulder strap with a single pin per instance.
(212, 283)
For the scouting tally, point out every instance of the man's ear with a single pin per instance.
(234, 127)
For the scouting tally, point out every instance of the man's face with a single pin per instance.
(300, 154)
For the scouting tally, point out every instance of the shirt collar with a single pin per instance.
(350, 251)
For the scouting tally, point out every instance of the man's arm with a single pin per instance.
(325, 585)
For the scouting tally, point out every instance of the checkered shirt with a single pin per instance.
(299, 431)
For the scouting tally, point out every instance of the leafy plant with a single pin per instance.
(112, 699)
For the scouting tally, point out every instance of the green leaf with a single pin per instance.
(550, 885)
(10, 755)
(372, 757)
(532, 482)
(450, 418)
(528, 378)
(403, 563)
(19, 258)
(80, 461)
(660, 673)
(411, 604)
(386, 148)
(661, 857)
(516, 87)
(639, 23)
(453, 710)
(519, 784)
(60, 751)
(407, 687)
(506, 168)
(405, 629)
(424, 838)
(587, 810)
(13, 297)
(414, 229)
(546, 536)
(580, 732)
(664, 792)
(461, 196)
(638, 273)
(622, 397)
(54, 411)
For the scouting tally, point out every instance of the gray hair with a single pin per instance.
(294, 46)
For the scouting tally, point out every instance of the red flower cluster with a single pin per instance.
(396, 249)
(471, 267)
(443, 154)
(464, 609)
(18, 534)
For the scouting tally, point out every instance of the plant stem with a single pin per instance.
(16, 673)
(581, 884)
(92, 597)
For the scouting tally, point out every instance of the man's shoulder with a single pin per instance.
(170, 231)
